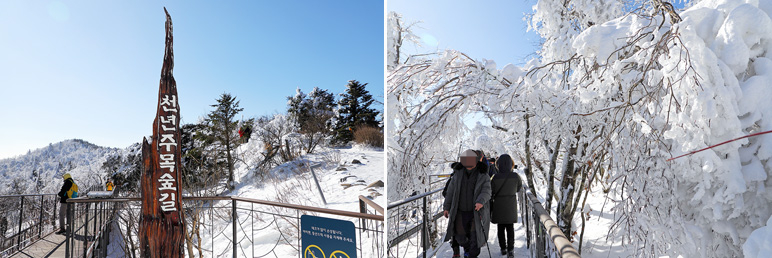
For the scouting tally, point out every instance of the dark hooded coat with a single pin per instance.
(482, 194)
(505, 185)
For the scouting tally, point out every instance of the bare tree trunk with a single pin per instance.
(551, 180)
(230, 161)
(129, 246)
(584, 173)
(307, 148)
(581, 236)
(189, 240)
(529, 168)
(399, 44)
(228, 154)
(567, 188)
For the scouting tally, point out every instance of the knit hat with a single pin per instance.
(468, 153)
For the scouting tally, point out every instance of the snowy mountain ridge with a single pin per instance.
(40, 170)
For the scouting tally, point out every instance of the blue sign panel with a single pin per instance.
(327, 238)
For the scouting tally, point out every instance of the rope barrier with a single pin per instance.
(713, 146)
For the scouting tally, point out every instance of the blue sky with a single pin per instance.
(489, 29)
(90, 69)
(483, 29)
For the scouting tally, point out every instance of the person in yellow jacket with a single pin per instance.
(110, 185)
(69, 190)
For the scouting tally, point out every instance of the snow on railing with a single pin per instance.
(543, 236)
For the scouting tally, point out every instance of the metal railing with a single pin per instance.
(229, 226)
(27, 218)
(409, 217)
(543, 237)
(423, 214)
(88, 225)
(367, 206)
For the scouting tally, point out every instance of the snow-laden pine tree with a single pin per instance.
(353, 110)
(222, 129)
(311, 114)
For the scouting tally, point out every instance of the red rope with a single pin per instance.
(710, 147)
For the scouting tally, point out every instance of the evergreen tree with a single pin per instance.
(297, 106)
(222, 128)
(354, 111)
(311, 114)
(196, 164)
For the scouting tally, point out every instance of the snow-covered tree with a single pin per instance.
(353, 110)
(398, 33)
(222, 128)
(311, 114)
(618, 88)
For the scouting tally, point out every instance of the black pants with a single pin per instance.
(454, 245)
(507, 243)
(466, 234)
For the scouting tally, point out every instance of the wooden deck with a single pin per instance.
(50, 246)
(54, 245)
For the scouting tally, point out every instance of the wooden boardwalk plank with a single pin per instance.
(50, 246)
(53, 245)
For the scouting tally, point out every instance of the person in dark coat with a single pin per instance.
(453, 244)
(505, 185)
(489, 161)
(493, 170)
(63, 201)
(467, 204)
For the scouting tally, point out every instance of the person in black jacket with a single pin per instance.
(458, 166)
(63, 201)
(489, 161)
(467, 204)
(453, 244)
(505, 185)
(493, 170)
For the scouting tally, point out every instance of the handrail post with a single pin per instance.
(85, 232)
(55, 216)
(21, 216)
(68, 231)
(424, 233)
(96, 217)
(362, 209)
(40, 219)
(235, 220)
(98, 221)
(104, 230)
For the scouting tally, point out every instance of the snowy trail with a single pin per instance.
(493, 243)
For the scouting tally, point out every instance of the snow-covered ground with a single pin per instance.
(596, 243)
(297, 174)
(493, 245)
(759, 244)
(267, 230)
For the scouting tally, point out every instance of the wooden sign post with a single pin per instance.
(162, 223)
